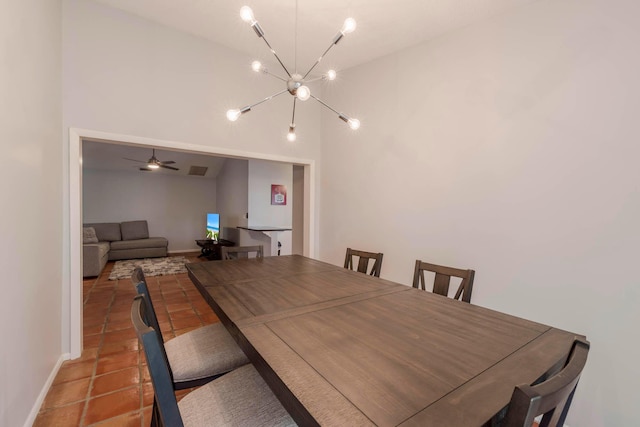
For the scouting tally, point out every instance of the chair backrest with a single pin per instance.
(551, 398)
(140, 284)
(363, 261)
(443, 278)
(161, 377)
(234, 252)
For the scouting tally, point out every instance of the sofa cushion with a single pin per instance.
(152, 242)
(134, 230)
(106, 231)
(89, 235)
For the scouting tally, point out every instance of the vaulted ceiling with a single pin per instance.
(383, 26)
(300, 31)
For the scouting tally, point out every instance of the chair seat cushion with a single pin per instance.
(239, 398)
(203, 352)
(151, 242)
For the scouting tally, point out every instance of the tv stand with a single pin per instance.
(211, 248)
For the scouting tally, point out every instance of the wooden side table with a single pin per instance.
(211, 248)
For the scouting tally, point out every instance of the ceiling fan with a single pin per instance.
(153, 163)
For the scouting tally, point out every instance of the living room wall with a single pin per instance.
(509, 147)
(174, 206)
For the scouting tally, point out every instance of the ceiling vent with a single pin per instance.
(198, 170)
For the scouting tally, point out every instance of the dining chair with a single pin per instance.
(239, 398)
(551, 398)
(234, 252)
(198, 356)
(443, 278)
(363, 261)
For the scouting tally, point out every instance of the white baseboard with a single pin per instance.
(45, 389)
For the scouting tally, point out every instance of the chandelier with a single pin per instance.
(296, 84)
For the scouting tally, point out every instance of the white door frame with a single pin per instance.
(76, 136)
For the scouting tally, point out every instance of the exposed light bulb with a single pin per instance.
(291, 136)
(233, 115)
(256, 66)
(331, 75)
(303, 93)
(349, 26)
(354, 124)
(247, 14)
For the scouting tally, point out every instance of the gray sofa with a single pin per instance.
(113, 241)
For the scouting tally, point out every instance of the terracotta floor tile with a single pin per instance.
(91, 319)
(119, 325)
(132, 419)
(209, 318)
(119, 347)
(167, 335)
(98, 328)
(146, 416)
(122, 316)
(113, 381)
(178, 306)
(116, 362)
(190, 322)
(61, 416)
(74, 371)
(122, 335)
(112, 405)
(112, 369)
(147, 394)
(92, 341)
(88, 354)
(183, 314)
(66, 393)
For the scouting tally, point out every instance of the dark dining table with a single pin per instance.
(341, 348)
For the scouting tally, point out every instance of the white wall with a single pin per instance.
(510, 147)
(297, 204)
(233, 197)
(262, 174)
(31, 214)
(175, 207)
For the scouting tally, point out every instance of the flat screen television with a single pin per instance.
(213, 226)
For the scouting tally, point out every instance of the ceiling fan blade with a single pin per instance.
(168, 162)
(146, 169)
(168, 167)
(135, 160)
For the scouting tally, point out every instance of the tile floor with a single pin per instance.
(109, 385)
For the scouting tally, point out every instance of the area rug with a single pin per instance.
(150, 266)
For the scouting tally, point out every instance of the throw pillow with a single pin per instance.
(89, 235)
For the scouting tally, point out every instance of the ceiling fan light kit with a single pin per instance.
(296, 84)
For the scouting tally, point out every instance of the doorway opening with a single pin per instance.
(304, 170)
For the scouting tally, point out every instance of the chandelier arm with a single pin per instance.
(274, 75)
(293, 115)
(319, 59)
(268, 98)
(326, 105)
(276, 55)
